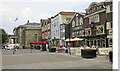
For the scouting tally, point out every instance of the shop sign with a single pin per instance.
(94, 7)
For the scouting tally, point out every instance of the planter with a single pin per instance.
(88, 53)
(52, 50)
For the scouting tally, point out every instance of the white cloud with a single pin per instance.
(25, 13)
(34, 10)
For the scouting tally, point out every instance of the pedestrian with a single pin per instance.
(14, 50)
(47, 47)
(31, 48)
(93, 46)
(64, 48)
(97, 50)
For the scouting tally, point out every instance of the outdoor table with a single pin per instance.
(110, 56)
(52, 49)
(88, 53)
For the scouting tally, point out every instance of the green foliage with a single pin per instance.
(3, 36)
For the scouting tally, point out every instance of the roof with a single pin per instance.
(64, 13)
(32, 23)
(67, 13)
(75, 15)
(42, 21)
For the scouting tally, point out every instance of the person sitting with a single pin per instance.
(93, 46)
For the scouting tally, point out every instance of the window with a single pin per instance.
(111, 25)
(87, 31)
(111, 8)
(110, 42)
(77, 21)
(73, 23)
(67, 20)
(100, 30)
(94, 18)
(81, 21)
(103, 41)
(56, 32)
(36, 38)
(72, 33)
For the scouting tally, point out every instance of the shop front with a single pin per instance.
(98, 41)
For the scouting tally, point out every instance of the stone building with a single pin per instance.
(95, 25)
(30, 32)
(56, 21)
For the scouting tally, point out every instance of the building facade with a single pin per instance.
(98, 25)
(30, 32)
(109, 22)
(46, 30)
(76, 26)
(95, 25)
(56, 21)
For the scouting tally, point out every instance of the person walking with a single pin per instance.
(31, 48)
(14, 49)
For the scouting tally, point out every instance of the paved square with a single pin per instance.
(23, 59)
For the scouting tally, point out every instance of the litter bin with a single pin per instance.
(52, 49)
(88, 53)
(110, 56)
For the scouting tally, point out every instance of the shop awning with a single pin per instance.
(40, 42)
(33, 43)
(44, 42)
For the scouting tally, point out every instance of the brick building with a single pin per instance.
(95, 25)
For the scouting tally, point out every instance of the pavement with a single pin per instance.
(24, 59)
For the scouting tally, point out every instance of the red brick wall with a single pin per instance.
(86, 22)
(102, 21)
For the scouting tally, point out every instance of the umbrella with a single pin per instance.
(76, 39)
(67, 40)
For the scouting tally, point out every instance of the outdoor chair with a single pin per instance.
(107, 54)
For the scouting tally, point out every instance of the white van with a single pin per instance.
(10, 46)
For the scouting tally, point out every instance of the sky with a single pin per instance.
(34, 10)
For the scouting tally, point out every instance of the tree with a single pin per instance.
(3, 35)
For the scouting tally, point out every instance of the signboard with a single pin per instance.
(94, 7)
